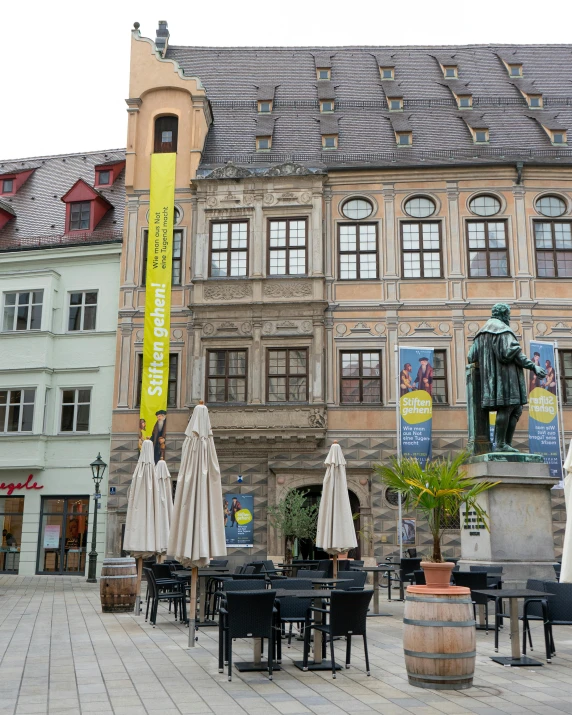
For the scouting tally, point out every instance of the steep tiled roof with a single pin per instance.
(231, 77)
(39, 210)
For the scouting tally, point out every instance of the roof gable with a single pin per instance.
(82, 191)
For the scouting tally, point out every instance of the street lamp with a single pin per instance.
(98, 468)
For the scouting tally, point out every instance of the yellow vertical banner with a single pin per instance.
(154, 387)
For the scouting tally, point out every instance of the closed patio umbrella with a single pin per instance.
(140, 534)
(566, 572)
(163, 502)
(336, 533)
(197, 526)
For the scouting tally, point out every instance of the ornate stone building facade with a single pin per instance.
(319, 226)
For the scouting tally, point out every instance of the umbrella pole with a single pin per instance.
(138, 587)
(193, 605)
(335, 566)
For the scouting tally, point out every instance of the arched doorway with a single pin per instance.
(307, 548)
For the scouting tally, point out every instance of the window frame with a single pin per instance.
(391, 71)
(229, 250)
(358, 223)
(82, 305)
(454, 69)
(463, 97)
(554, 251)
(99, 172)
(487, 250)
(157, 131)
(287, 375)
(399, 101)
(259, 140)
(325, 138)
(4, 191)
(269, 102)
(360, 351)
(71, 205)
(287, 248)
(179, 260)
(327, 70)
(170, 379)
(476, 132)
(421, 251)
(30, 304)
(331, 102)
(76, 404)
(562, 374)
(226, 376)
(21, 404)
(405, 134)
(445, 379)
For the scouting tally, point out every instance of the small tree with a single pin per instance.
(438, 491)
(294, 518)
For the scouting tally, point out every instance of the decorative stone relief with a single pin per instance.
(288, 168)
(208, 329)
(541, 328)
(227, 327)
(307, 326)
(228, 291)
(305, 197)
(246, 328)
(177, 334)
(514, 326)
(560, 328)
(444, 327)
(278, 418)
(139, 336)
(267, 328)
(361, 328)
(269, 199)
(341, 329)
(212, 201)
(317, 419)
(379, 328)
(473, 328)
(404, 328)
(229, 171)
(425, 327)
(283, 327)
(291, 289)
(286, 325)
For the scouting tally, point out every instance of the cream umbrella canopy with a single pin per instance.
(566, 571)
(163, 503)
(336, 533)
(197, 526)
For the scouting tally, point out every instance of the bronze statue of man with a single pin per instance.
(501, 363)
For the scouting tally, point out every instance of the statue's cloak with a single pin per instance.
(501, 363)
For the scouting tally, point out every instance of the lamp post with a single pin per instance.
(98, 468)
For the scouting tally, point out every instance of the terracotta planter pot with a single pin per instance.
(437, 575)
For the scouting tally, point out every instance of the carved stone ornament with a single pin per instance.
(208, 329)
(473, 327)
(212, 201)
(560, 328)
(305, 197)
(288, 168)
(229, 171)
(380, 328)
(291, 289)
(404, 328)
(246, 328)
(341, 329)
(267, 328)
(317, 419)
(444, 327)
(269, 199)
(307, 326)
(227, 291)
(541, 328)
(361, 328)
(424, 327)
(227, 327)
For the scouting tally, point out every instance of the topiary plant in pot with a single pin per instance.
(438, 491)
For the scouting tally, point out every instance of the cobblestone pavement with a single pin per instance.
(60, 654)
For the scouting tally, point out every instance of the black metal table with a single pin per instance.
(376, 570)
(327, 581)
(512, 595)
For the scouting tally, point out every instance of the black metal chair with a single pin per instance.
(355, 581)
(165, 582)
(347, 617)
(310, 573)
(557, 569)
(419, 575)
(326, 566)
(476, 580)
(556, 610)
(533, 610)
(292, 609)
(405, 575)
(157, 595)
(411, 553)
(246, 615)
(494, 574)
(218, 563)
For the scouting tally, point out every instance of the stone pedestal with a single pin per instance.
(520, 518)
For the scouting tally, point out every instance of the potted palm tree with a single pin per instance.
(438, 491)
(294, 518)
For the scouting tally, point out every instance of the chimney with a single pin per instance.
(162, 37)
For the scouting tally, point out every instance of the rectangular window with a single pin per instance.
(439, 390)
(177, 258)
(566, 375)
(488, 255)
(515, 70)
(264, 107)
(103, 178)
(326, 106)
(387, 72)
(76, 405)
(553, 241)
(287, 247)
(7, 186)
(172, 381)
(357, 251)
(481, 136)
(229, 248)
(395, 105)
(450, 72)
(80, 213)
(404, 138)
(62, 542)
(535, 101)
(360, 376)
(329, 141)
(323, 73)
(421, 249)
(226, 379)
(17, 410)
(23, 311)
(83, 309)
(559, 137)
(11, 516)
(465, 101)
(287, 372)
(263, 143)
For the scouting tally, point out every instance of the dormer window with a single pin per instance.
(80, 216)
(106, 174)
(558, 137)
(464, 101)
(263, 143)
(329, 141)
(515, 70)
(396, 105)
(387, 72)
(265, 107)
(535, 101)
(481, 136)
(103, 178)
(7, 186)
(166, 130)
(404, 138)
(326, 106)
(450, 72)
(323, 73)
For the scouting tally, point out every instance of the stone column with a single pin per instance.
(123, 382)
(200, 244)
(391, 361)
(390, 248)
(455, 244)
(330, 360)
(459, 356)
(329, 243)
(316, 237)
(520, 245)
(197, 366)
(317, 373)
(256, 239)
(189, 348)
(256, 372)
(130, 244)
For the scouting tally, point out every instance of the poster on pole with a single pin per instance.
(238, 512)
(156, 327)
(543, 426)
(415, 380)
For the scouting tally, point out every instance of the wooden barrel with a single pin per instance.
(118, 585)
(439, 637)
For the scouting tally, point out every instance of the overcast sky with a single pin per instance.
(66, 64)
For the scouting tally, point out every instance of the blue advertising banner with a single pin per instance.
(543, 432)
(415, 367)
(238, 519)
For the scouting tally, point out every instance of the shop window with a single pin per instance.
(76, 407)
(287, 375)
(176, 269)
(360, 377)
(226, 380)
(17, 410)
(287, 247)
(11, 515)
(82, 311)
(229, 248)
(172, 380)
(23, 311)
(166, 131)
(62, 541)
